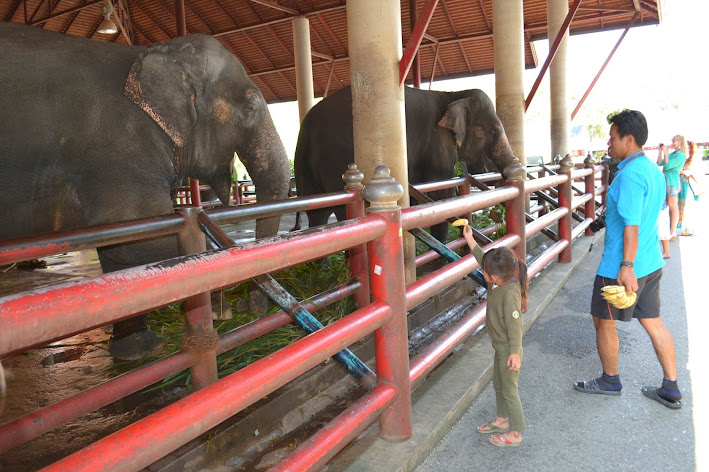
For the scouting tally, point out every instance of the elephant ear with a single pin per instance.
(160, 85)
(455, 120)
(461, 117)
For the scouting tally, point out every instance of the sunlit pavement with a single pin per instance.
(568, 430)
(694, 251)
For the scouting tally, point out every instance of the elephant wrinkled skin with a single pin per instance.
(441, 128)
(95, 132)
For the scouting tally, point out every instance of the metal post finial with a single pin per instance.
(566, 164)
(353, 177)
(382, 192)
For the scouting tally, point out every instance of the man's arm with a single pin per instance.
(626, 276)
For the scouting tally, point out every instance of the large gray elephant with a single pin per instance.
(441, 128)
(96, 132)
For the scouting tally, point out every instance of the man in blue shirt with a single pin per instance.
(632, 258)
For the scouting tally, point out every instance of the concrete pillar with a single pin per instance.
(560, 119)
(508, 38)
(303, 65)
(379, 127)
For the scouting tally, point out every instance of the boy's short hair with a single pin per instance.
(630, 122)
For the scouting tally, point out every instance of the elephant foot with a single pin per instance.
(221, 308)
(31, 264)
(258, 301)
(134, 346)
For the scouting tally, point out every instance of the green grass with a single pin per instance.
(303, 282)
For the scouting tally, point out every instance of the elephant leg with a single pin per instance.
(221, 308)
(131, 338)
(318, 217)
(296, 226)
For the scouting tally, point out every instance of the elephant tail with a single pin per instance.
(301, 167)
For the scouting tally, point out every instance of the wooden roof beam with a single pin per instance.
(280, 20)
(332, 34)
(273, 4)
(157, 23)
(487, 20)
(65, 12)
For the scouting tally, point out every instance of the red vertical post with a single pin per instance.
(413, 19)
(514, 209)
(386, 258)
(605, 179)
(565, 199)
(590, 181)
(201, 339)
(359, 258)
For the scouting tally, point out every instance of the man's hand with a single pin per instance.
(514, 362)
(626, 278)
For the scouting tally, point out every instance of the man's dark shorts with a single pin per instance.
(647, 305)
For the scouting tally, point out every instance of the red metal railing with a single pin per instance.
(74, 307)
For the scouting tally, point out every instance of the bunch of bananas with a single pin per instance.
(616, 296)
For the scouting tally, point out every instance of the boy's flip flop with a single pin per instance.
(493, 429)
(502, 442)
(651, 392)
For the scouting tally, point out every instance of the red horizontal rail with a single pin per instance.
(427, 286)
(543, 183)
(429, 256)
(30, 426)
(546, 257)
(578, 201)
(425, 215)
(545, 220)
(142, 443)
(436, 352)
(578, 230)
(67, 309)
(314, 453)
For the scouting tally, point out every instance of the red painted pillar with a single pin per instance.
(605, 179)
(515, 176)
(201, 339)
(565, 198)
(359, 258)
(590, 181)
(386, 257)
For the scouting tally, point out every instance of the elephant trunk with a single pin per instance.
(503, 156)
(268, 166)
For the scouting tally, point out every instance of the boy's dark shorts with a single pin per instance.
(647, 305)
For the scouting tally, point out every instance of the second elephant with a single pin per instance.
(441, 129)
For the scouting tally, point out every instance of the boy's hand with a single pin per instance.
(514, 362)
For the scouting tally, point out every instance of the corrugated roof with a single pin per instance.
(259, 32)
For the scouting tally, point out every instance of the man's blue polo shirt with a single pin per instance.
(634, 199)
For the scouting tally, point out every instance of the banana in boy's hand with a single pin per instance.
(617, 296)
(461, 222)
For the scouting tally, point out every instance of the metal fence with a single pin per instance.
(36, 318)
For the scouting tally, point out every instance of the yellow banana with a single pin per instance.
(629, 301)
(461, 222)
(613, 289)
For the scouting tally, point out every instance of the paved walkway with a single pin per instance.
(568, 430)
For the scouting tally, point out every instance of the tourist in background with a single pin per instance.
(684, 176)
(671, 163)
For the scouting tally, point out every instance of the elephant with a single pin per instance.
(441, 128)
(95, 132)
